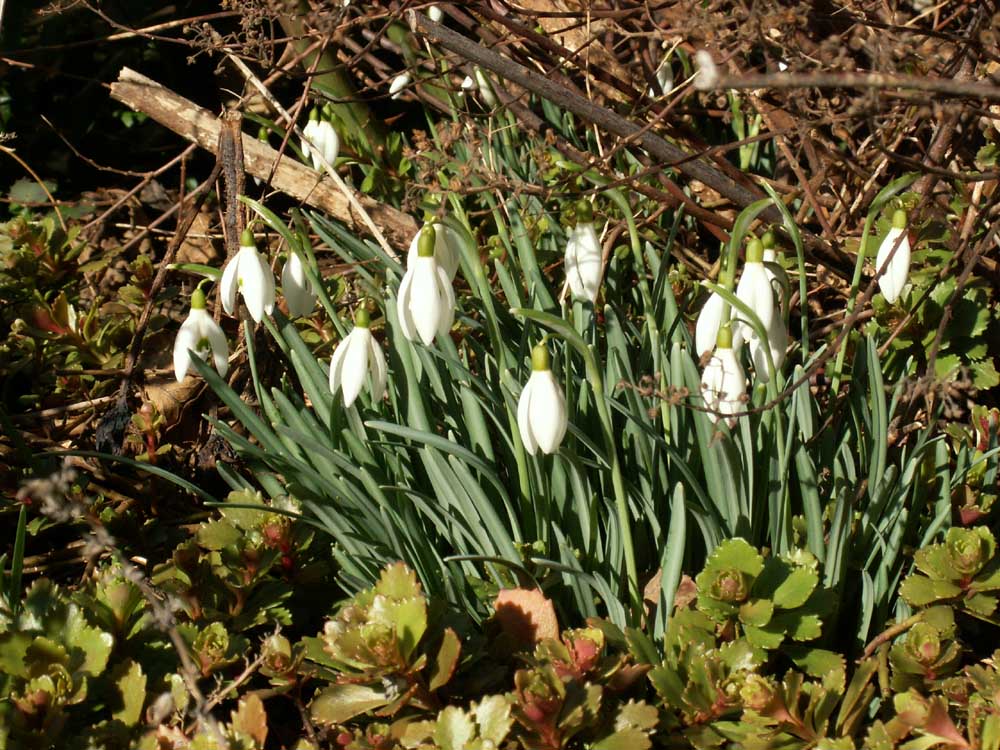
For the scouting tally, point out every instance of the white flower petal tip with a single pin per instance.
(248, 274)
(297, 288)
(723, 385)
(202, 336)
(707, 327)
(435, 14)
(399, 83)
(777, 343)
(446, 249)
(664, 80)
(541, 409)
(426, 301)
(584, 259)
(486, 89)
(898, 270)
(707, 74)
(356, 357)
(324, 138)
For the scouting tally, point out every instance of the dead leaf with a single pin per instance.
(526, 615)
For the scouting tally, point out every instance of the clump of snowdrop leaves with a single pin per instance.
(201, 335)
(354, 358)
(446, 249)
(583, 255)
(426, 302)
(248, 274)
(541, 410)
(723, 382)
(296, 286)
(896, 273)
(324, 139)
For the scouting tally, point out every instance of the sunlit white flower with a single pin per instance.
(354, 358)
(435, 14)
(426, 302)
(297, 287)
(324, 137)
(446, 249)
(777, 342)
(894, 279)
(469, 84)
(706, 329)
(201, 335)
(706, 73)
(754, 289)
(664, 79)
(723, 383)
(399, 83)
(486, 89)
(249, 274)
(583, 255)
(541, 410)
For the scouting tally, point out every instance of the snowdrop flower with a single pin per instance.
(583, 255)
(754, 289)
(446, 249)
(297, 287)
(249, 274)
(199, 334)
(723, 382)
(706, 329)
(486, 89)
(664, 79)
(777, 342)
(399, 83)
(894, 279)
(357, 355)
(435, 14)
(707, 74)
(469, 84)
(426, 302)
(541, 410)
(325, 140)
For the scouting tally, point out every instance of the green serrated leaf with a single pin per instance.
(919, 591)
(796, 589)
(757, 613)
(493, 718)
(339, 703)
(447, 659)
(217, 535)
(454, 729)
(131, 684)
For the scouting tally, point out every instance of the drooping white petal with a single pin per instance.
(435, 14)
(184, 344)
(754, 290)
(523, 421)
(723, 385)
(297, 287)
(217, 340)
(425, 299)
(447, 296)
(403, 306)
(399, 83)
(230, 285)
(376, 360)
(583, 261)
(777, 342)
(547, 411)
(706, 329)
(337, 363)
(329, 142)
(268, 291)
(355, 365)
(252, 282)
(309, 131)
(894, 279)
(486, 89)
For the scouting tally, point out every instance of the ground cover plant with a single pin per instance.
(495, 376)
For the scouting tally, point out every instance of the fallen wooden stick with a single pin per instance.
(200, 126)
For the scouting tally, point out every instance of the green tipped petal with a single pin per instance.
(540, 359)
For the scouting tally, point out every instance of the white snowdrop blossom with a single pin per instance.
(723, 383)
(446, 249)
(664, 79)
(248, 274)
(297, 287)
(426, 302)
(435, 14)
(541, 410)
(706, 329)
(202, 336)
(469, 84)
(583, 255)
(777, 342)
(399, 83)
(486, 89)
(706, 73)
(357, 356)
(896, 273)
(324, 138)
(754, 290)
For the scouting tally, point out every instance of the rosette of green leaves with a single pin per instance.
(763, 600)
(928, 652)
(962, 571)
(378, 651)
